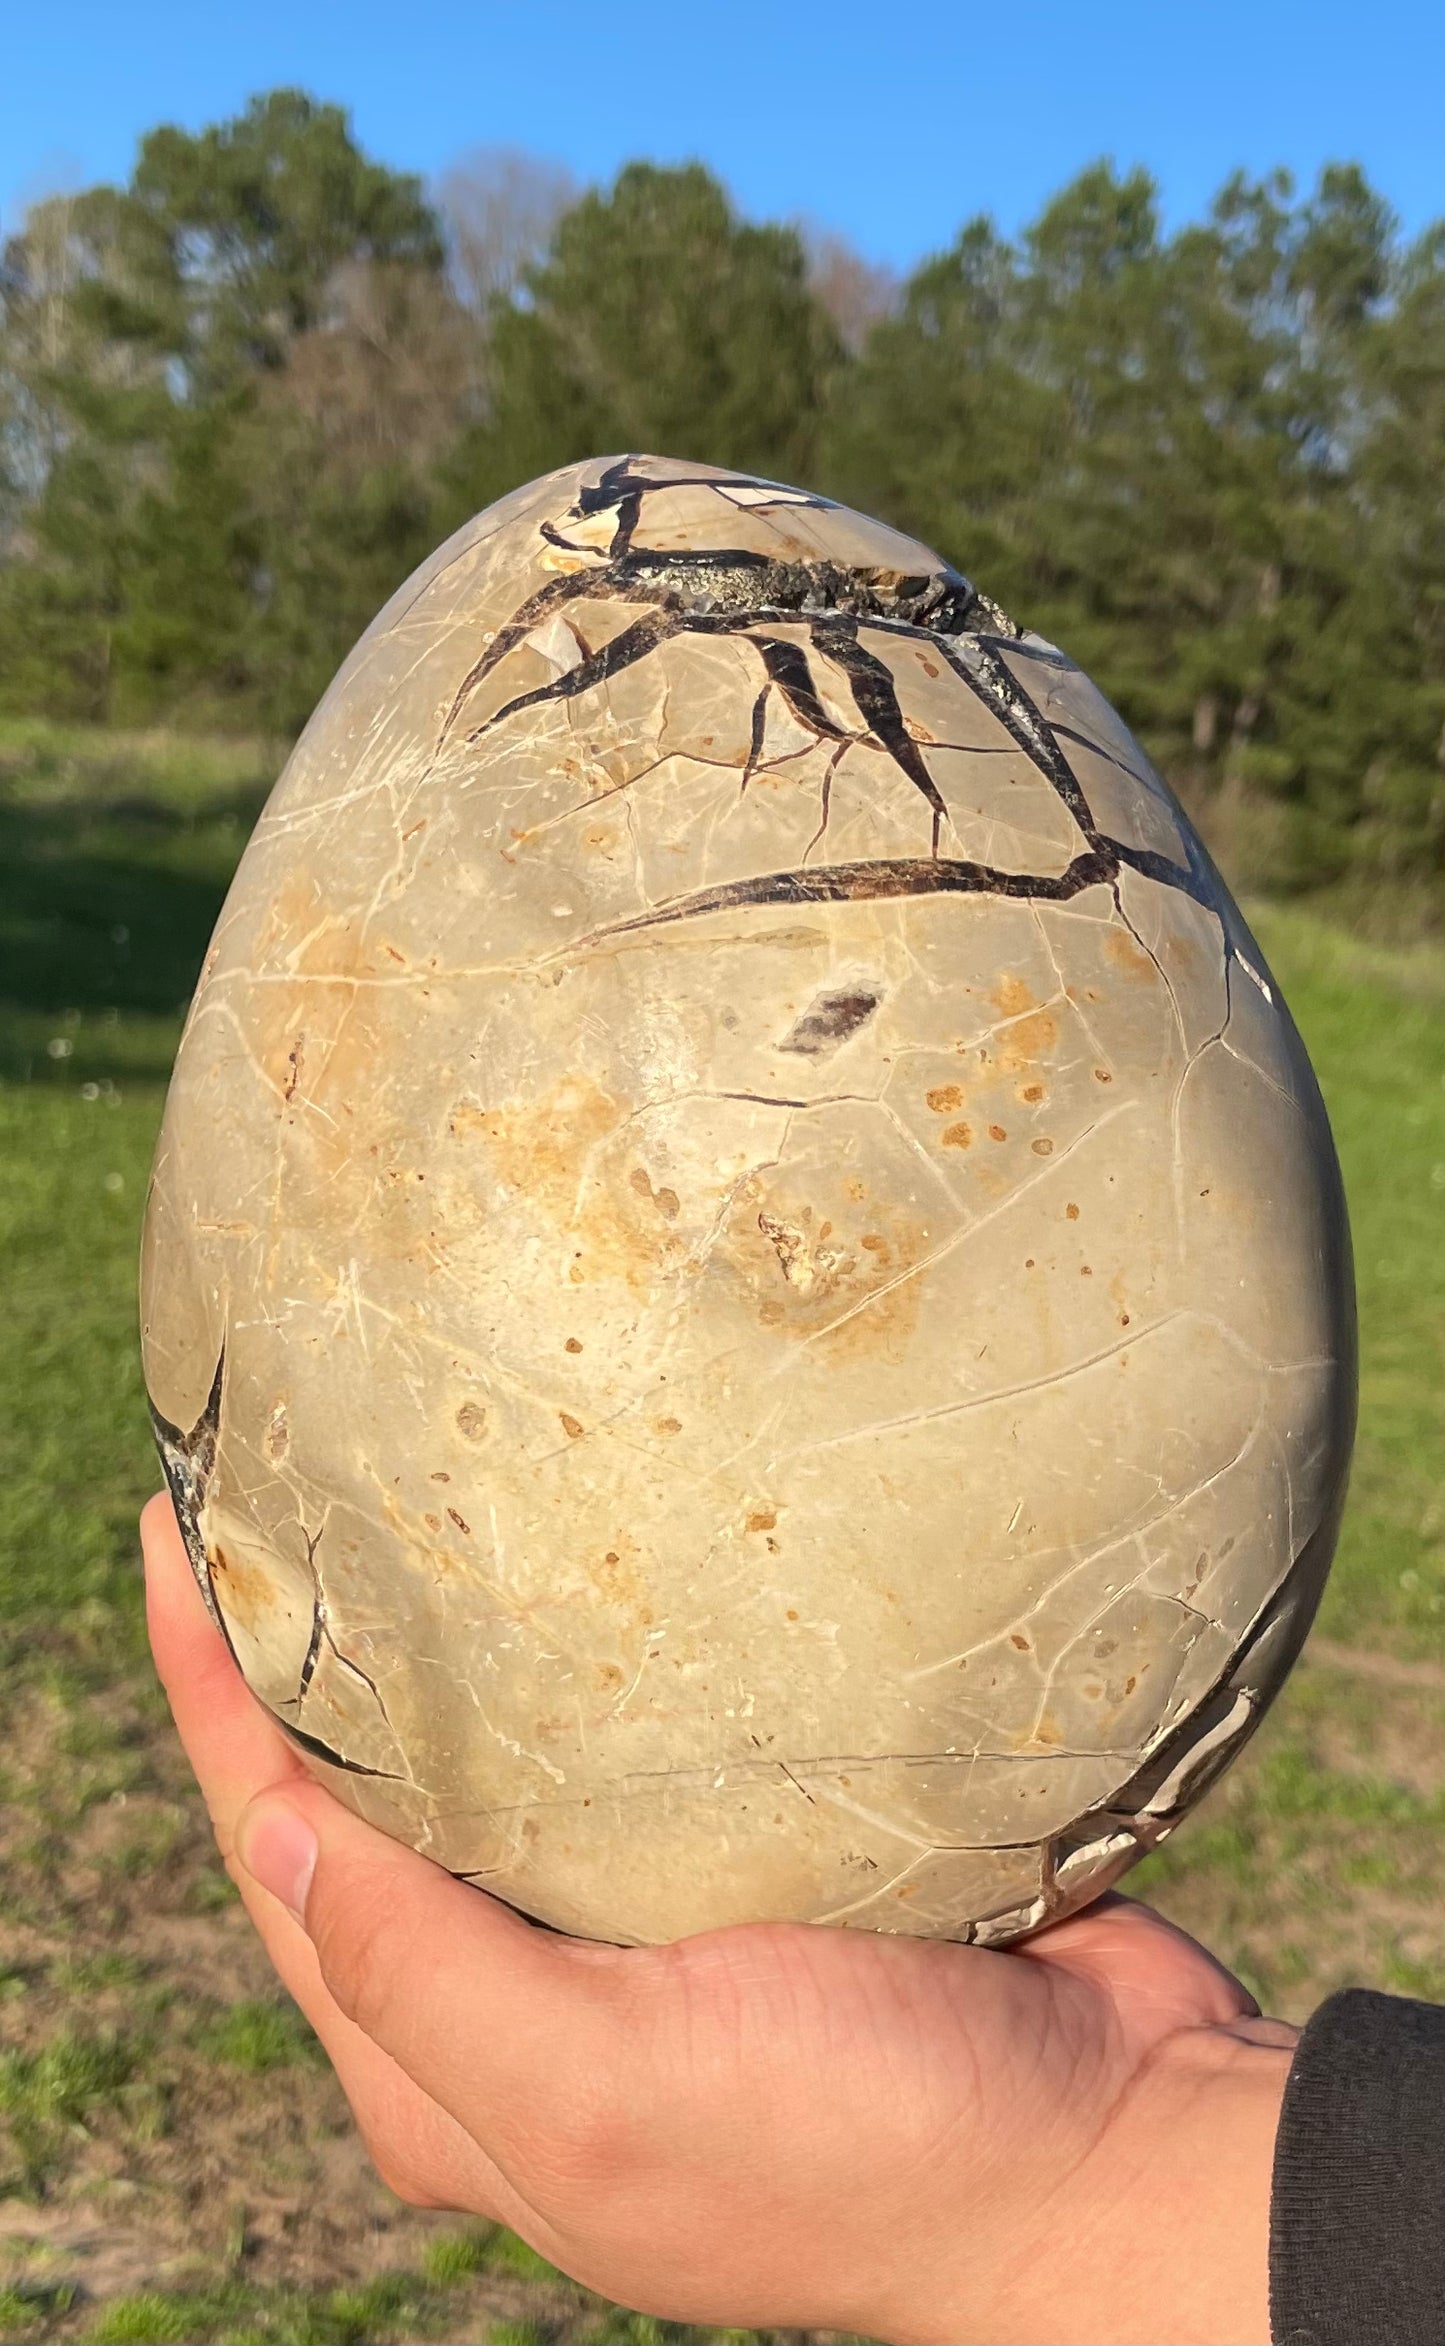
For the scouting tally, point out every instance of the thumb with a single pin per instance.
(497, 2020)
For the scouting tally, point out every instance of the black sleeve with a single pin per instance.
(1357, 2214)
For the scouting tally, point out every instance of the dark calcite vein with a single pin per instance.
(325, 1751)
(787, 665)
(734, 591)
(318, 1618)
(189, 1460)
(313, 1649)
(840, 883)
(873, 688)
(717, 580)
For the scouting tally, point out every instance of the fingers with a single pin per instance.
(516, 2031)
(1152, 1970)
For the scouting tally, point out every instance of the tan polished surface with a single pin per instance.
(746, 1282)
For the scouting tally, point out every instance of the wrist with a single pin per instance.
(1180, 2196)
(1159, 2234)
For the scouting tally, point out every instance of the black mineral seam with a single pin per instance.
(838, 883)
(189, 1459)
(324, 1751)
(945, 610)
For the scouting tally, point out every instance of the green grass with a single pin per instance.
(1317, 1860)
(256, 2036)
(401, 2307)
(1375, 1026)
(46, 2092)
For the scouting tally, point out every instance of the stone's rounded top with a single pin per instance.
(640, 532)
(745, 1292)
(639, 510)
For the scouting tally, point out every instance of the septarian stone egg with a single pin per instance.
(746, 1294)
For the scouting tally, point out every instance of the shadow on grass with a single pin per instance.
(105, 914)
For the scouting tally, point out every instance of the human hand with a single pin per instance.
(1071, 2140)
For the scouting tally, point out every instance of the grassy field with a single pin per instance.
(176, 2162)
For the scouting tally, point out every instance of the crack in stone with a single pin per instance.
(318, 1616)
(325, 1751)
(189, 1461)
(821, 633)
(732, 590)
(863, 882)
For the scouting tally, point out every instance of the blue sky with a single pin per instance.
(889, 123)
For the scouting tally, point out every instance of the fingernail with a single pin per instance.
(278, 1849)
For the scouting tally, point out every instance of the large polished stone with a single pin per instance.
(746, 1289)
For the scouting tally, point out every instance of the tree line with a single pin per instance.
(241, 396)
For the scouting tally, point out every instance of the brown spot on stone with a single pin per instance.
(792, 1242)
(573, 1344)
(571, 1426)
(472, 1420)
(1042, 1148)
(668, 1425)
(246, 1592)
(457, 1520)
(1030, 1032)
(945, 1097)
(997, 1132)
(552, 1152)
(874, 1244)
(440, 1476)
(762, 1519)
(1072, 1212)
(792, 1615)
(1086, 1270)
(956, 1136)
(1017, 1638)
(1122, 947)
(1102, 1075)
(432, 1522)
(1012, 996)
(1032, 1092)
